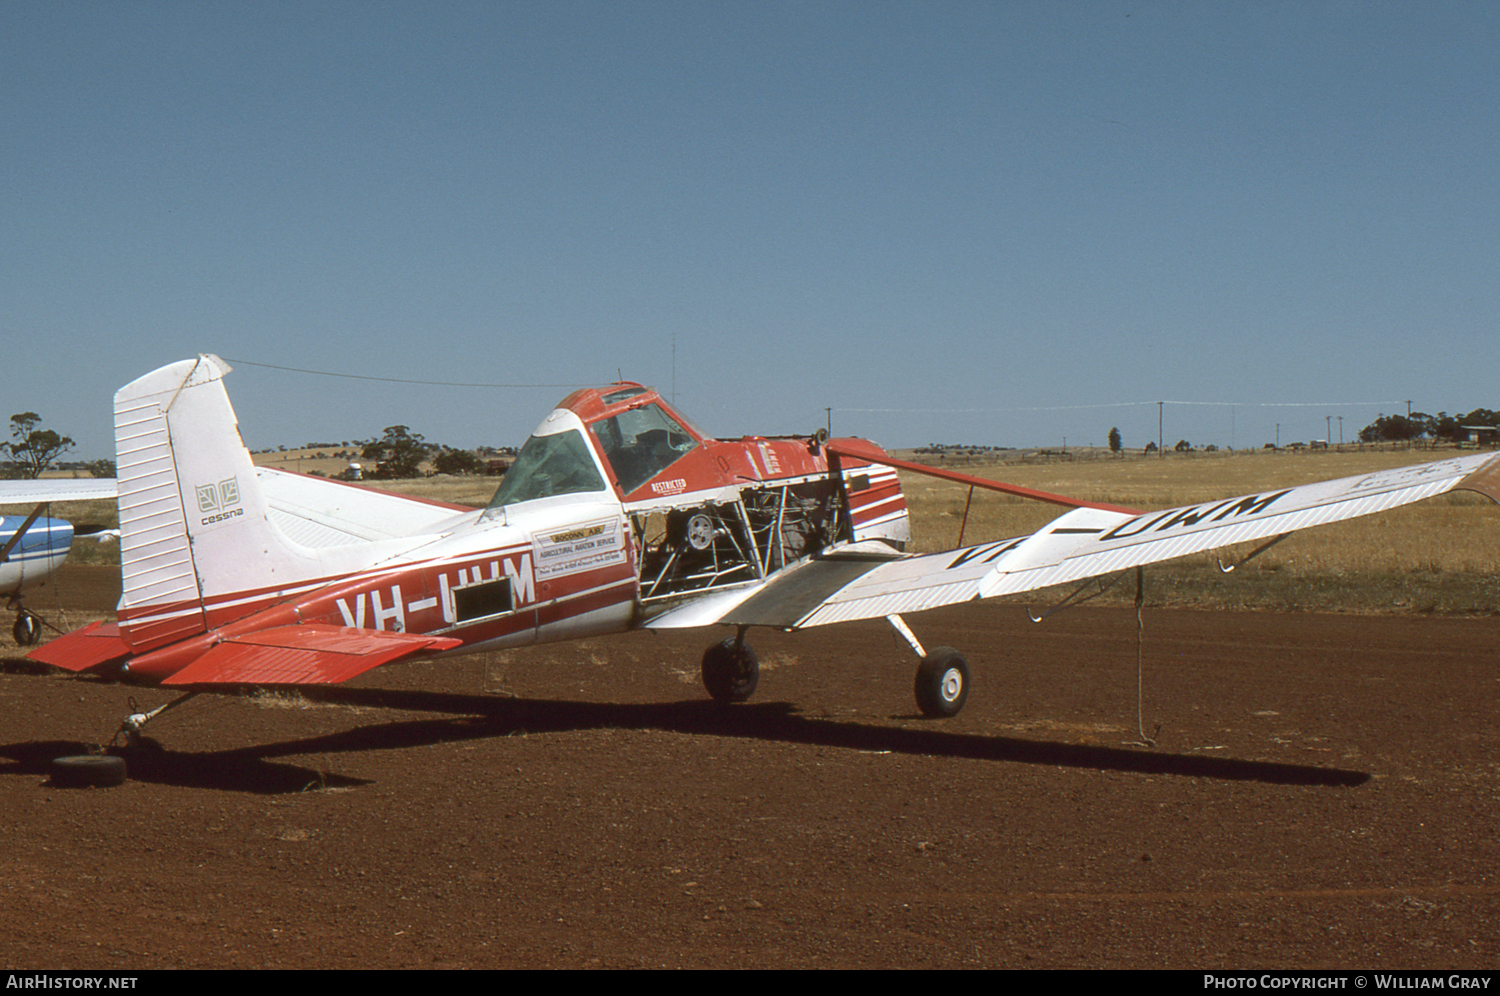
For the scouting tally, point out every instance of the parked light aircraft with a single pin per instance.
(32, 546)
(617, 514)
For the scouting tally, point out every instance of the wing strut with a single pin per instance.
(15, 540)
(862, 450)
(1252, 554)
(965, 523)
(1073, 598)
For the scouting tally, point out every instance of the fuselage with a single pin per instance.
(39, 552)
(616, 509)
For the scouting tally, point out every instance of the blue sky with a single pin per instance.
(1009, 223)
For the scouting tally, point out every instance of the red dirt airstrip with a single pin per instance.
(1322, 794)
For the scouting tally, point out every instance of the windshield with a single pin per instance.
(558, 464)
(641, 443)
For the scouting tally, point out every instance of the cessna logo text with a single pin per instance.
(220, 501)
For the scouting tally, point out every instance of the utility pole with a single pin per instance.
(1160, 449)
(1328, 430)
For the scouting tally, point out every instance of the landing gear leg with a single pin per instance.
(130, 728)
(731, 670)
(942, 685)
(99, 770)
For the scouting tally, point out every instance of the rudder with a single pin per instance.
(192, 518)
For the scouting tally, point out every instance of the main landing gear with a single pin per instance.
(731, 672)
(28, 628)
(942, 685)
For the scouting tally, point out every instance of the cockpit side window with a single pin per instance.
(641, 443)
(558, 464)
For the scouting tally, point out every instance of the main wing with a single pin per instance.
(45, 490)
(847, 584)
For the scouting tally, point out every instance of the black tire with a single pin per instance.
(942, 683)
(27, 630)
(88, 771)
(730, 671)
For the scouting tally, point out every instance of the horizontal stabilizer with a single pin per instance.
(95, 644)
(303, 655)
(316, 512)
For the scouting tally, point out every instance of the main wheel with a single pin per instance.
(942, 683)
(730, 671)
(88, 770)
(27, 629)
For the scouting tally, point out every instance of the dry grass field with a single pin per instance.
(1441, 556)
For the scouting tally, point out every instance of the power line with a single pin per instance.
(388, 380)
(1131, 404)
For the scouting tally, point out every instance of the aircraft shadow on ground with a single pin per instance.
(254, 768)
(242, 770)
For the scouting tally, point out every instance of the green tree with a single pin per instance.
(452, 461)
(1452, 429)
(398, 454)
(1115, 443)
(1399, 428)
(34, 448)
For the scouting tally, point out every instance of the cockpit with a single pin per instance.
(640, 443)
(636, 434)
(548, 466)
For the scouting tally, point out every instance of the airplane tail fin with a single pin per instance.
(192, 517)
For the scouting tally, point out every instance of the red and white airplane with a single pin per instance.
(618, 514)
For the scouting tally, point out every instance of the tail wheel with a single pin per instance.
(942, 685)
(730, 671)
(27, 630)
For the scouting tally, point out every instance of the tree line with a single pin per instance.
(1441, 427)
(399, 453)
